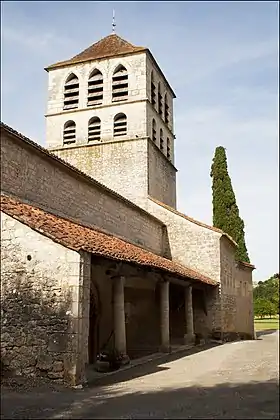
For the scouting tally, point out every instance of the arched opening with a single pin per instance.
(166, 109)
(95, 88)
(94, 129)
(168, 149)
(153, 90)
(71, 92)
(120, 125)
(69, 132)
(161, 139)
(120, 84)
(154, 131)
(159, 101)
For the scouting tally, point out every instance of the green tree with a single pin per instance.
(225, 211)
(268, 290)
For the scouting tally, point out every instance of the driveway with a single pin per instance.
(232, 381)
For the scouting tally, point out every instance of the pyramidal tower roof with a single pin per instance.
(110, 46)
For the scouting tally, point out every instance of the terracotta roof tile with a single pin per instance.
(110, 46)
(190, 219)
(247, 265)
(78, 237)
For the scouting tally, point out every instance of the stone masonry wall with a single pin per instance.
(162, 177)
(236, 295)
(44, 305)
(190, 244)
(121, 166)
(39, 179)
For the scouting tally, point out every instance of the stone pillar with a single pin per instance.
(119, 317)
(189, 336)
(164, 317)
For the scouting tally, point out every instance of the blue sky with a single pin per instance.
(220, 58)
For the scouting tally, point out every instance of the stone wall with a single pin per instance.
(36, 177)
(190, 244)
(121, 166)
(161, 177)
(236, 295)
(44, 305)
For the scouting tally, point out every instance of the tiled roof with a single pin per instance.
(247, 265)
(110, 46)
(78, 237)
(190, 219)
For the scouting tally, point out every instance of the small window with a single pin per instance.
(161, 139)
(168, 154)
(166, 110)
(94, 129)
(95, 88)
(153, 90)
(120, 125)
(120, 84)
(71, 92)
(160, 101)
(154, 131)
(69, 132)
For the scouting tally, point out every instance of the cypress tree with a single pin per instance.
(225, 211)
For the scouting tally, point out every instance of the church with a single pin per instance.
(94, 254)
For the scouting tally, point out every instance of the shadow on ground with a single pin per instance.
(255, 400)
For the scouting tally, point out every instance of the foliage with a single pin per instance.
(266, 297)
(225, 211)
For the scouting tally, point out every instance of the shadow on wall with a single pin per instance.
(36, 326)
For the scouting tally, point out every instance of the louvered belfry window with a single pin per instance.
(94, 129)
(69, 132)
(153, 90)
(71, 92)
(159, 101)
(154, 131)
(95, 88)
(168, 148)
(120, 84)
(161, 139)
(120, 125)
(166, 110)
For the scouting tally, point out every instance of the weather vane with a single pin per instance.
(113, 23)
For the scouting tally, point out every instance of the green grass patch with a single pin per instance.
(266, 324)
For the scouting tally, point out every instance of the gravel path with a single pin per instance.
(231, 381)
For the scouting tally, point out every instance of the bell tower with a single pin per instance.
(110, 114)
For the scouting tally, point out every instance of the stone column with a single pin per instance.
(164, 317)
(119, 317)
(189, 336)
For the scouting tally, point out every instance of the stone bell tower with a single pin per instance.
(110, 114)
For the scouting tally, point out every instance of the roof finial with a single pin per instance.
(113, 23)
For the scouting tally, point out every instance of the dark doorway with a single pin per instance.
(177, 313)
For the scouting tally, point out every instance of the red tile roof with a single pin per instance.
(110, 46)
(247, 265)
(190, 219)
(77, 237)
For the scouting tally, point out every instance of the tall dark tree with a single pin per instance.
(225, 210)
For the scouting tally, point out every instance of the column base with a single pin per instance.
(125, 360)
(189, 338)
(165, 349)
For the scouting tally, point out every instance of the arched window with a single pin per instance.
(168, 148)
(69, 132)
(153, 90)
(159, 100)
(71, 92)
(166, 110)
(161, 139)
(120, 125)
(154, 131)
(95, 88)
(94, 129)
(120, 84)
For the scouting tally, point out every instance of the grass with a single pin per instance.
(267, 324)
